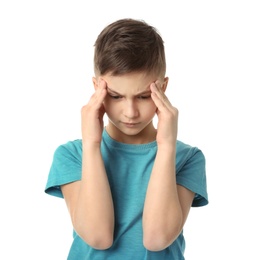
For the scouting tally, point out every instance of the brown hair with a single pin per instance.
(129, 45)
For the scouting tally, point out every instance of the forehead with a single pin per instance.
(130, 83)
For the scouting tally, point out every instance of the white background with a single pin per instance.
(213, 58)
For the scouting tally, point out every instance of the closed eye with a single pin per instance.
(144, 97)
(115, 96)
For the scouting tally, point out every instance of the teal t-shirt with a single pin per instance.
(128, 168)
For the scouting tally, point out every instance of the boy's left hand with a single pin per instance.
(167, 116)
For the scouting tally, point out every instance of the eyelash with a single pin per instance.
(144, 97)
(115, 97)
(140, 97)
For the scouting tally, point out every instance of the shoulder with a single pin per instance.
(69, 148)
(186, 152)
(65, 167)
(75, 145)
(191, 171)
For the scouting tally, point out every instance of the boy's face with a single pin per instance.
(130, 108)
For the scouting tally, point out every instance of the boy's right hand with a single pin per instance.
(92, 116)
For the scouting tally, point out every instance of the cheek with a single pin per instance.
(150, 109)
(151, 106)
(109, 107)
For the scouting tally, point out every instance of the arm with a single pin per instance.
(89, 201)
(167, 204)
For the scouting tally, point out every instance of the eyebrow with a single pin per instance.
(111, 90)
(138, 94)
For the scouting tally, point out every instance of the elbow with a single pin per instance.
(154, 244)
(100, 243)
(157, 240)
(98, 237)
(98, 240)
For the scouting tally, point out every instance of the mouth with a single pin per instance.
(127, 124)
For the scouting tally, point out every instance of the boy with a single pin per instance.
(128, 186)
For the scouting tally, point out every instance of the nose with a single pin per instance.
(131, 109)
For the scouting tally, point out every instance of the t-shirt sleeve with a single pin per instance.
(65, 168)
(191, 174)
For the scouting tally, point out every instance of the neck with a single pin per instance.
(147, 135)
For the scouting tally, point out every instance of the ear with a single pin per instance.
(165, 83)
(95, 82)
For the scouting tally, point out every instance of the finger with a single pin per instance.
(158, 96)
(161, 91)
(98, 97)
(102, 89)
(156, 87)
(102, 84)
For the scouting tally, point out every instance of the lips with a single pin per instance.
(130, 124)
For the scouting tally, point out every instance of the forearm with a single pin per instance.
(94, 214)
(162, 217)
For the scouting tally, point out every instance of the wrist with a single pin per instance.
(167, 147)
(89, 145)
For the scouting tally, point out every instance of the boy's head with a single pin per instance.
(129, 45)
